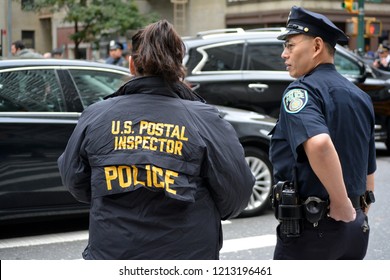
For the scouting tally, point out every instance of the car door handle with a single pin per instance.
(258, 87)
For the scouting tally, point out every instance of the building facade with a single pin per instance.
(45, 31)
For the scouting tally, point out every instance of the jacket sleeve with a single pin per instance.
(228, 174)
(73, 164)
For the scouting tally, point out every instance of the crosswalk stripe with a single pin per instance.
(230, 245)
(246, 243)
(44, 239)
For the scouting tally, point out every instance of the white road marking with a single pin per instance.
(44, 239)
(246, 243)
(230, 245)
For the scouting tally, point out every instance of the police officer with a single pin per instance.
(115, 54)
(160, 167)
(383, 62)
(325, 133)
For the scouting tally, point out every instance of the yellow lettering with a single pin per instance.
(127, 127)
(168, 126)
(127, 176)
(111, 174)
(182, 137)
(169, 180)
(120, 142)
(162, 142)
(151, 144)
(150, 128)
(175, 132)
(159, 171)
(170, 146)
(122, 182)
(137, 141)
(145, 142)
(178, 147)
(159, 129)
(135, 176)
(148, 176)
(143, 126)
(115, 127)
(130, 142)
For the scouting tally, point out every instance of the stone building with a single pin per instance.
(45, 31)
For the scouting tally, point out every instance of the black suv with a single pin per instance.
(243, 69)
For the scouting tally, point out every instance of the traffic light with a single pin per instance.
(373, 27)
(348, 5)
(351, 26)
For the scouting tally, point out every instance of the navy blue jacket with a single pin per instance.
(160, 173)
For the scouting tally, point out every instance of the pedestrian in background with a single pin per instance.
(57, 53)
(160, 167)
(383, 62)
(18, 49)
(116, 54)
(323, 141)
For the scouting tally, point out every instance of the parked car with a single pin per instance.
(40, 103)
(243, 69)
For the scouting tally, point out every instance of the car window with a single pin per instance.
(265, 57)
(221, 58)
(193, 60)
(94, 85)
(35, 90)
(346, 66)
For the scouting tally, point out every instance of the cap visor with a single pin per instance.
(288, 32)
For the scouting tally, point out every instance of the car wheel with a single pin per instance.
(262, 170)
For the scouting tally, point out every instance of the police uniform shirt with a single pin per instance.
(116, 61)
(323, 101)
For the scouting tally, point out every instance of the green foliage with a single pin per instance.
(95, 18)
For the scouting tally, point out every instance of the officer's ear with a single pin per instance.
(318, 44)
(131, 66)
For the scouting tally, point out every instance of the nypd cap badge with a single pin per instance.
(295, 100)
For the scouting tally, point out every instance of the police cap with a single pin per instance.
(115, 45)
(301, 21)
(383, 48)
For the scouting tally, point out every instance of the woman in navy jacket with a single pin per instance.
(159, 167)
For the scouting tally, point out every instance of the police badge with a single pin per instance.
(295, 100)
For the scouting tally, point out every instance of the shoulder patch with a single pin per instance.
(295, 100)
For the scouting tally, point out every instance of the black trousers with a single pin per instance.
(330, 240)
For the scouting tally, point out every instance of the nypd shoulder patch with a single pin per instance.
(295, 100)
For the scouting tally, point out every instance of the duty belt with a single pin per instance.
(357, 201)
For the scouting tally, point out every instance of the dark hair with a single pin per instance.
(19, 45)
(135, 42)
(158, 50)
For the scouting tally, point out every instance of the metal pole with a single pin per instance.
(9, 28)
(361, 27)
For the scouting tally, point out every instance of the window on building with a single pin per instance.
(28, 38)
(27, 5)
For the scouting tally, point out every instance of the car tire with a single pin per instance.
(262, 170)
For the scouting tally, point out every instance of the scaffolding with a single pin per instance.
(179, 15)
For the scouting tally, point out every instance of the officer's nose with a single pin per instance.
(284, 54)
